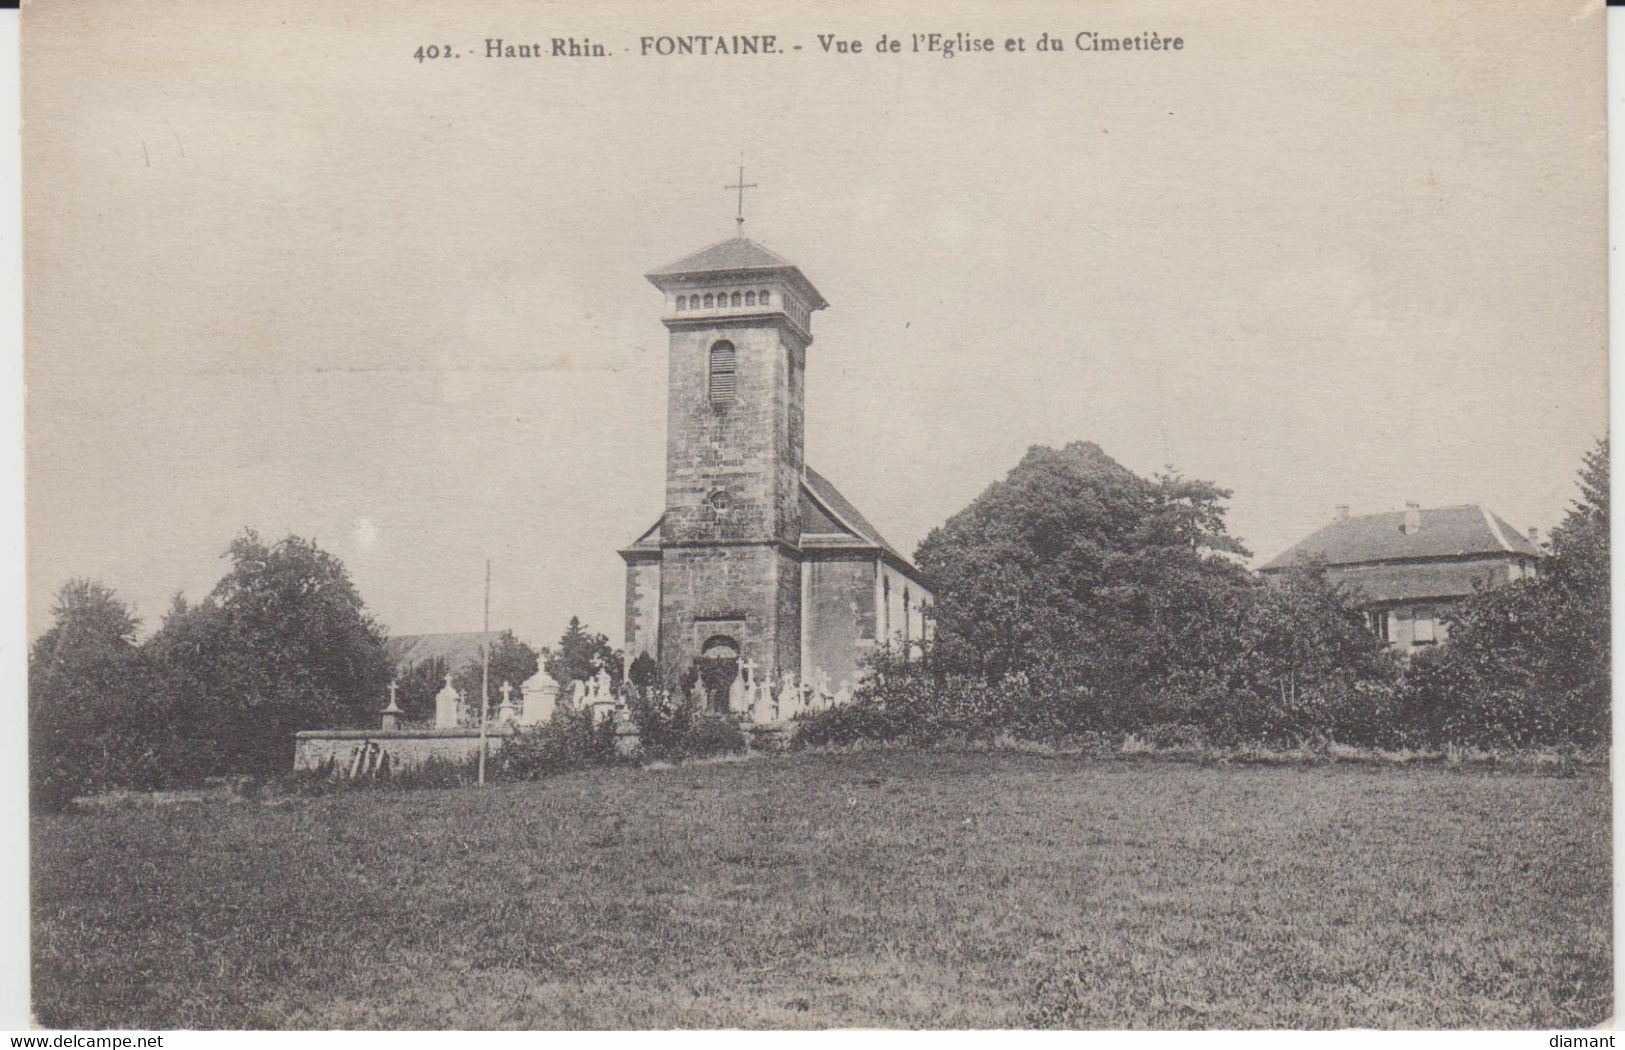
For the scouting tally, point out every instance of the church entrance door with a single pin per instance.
(719, 666)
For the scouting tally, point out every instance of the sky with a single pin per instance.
(280, 275)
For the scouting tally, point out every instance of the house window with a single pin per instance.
(722, 376)
(1378, 618)
(1424, 627)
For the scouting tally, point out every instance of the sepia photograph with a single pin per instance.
(698, 515)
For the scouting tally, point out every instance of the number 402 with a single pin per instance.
(434, 51)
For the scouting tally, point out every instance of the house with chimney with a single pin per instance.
(1408, 568)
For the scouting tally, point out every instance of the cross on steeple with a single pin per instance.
(741, 186)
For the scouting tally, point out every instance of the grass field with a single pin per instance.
(876, 889)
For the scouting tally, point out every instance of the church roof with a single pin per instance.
(844, 513)
(736, 255)
(829, 521)
(1446, 532)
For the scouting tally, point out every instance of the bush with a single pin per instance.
(671, 729)
(663, 722)
(710, 735)
(567, 741)
(861, 720)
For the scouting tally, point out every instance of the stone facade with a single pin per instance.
(838, 603)
(1408, 568)
(749, 593)
(1407, 620)
(642, 604)
(743, 450)
(756, 556)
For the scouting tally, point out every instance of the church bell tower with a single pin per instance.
(740, 322)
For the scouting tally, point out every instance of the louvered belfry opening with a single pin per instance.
(723, 362)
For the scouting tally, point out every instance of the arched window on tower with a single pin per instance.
(762, 297)
(720, 384)
(737, 299)
(710, 300)
(682, 303)
(750, 298)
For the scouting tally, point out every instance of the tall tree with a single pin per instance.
(512, 661)
(1073, 559)
(1579, 546)
(283, 642)
(418, 685)
(578, 656)
(94, 716)
(1529, 662)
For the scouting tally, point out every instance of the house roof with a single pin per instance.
(1441, 579)
(736, 255)
(458, 648)
(828, 521)
(1446, 532)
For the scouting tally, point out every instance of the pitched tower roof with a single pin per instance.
(735, 257)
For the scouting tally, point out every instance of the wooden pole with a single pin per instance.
(485, 670)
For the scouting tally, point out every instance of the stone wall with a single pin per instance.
(903, 605)
(643, 606)
(406, 748)
(840, 616)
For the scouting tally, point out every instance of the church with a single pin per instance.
(757, 560)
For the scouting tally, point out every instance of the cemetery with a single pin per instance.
(766, 708)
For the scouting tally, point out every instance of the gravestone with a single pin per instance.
(540, 697)
(763, 709)
(446, 703)
(392, 714)
(790, 698)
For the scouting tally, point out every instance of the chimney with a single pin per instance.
(1342, 511)
(1534, 535)
(1413, 519)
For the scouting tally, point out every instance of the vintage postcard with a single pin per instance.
(706, 515)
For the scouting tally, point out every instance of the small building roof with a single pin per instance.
(458, 648)
(736, 256)
(1445, 532)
